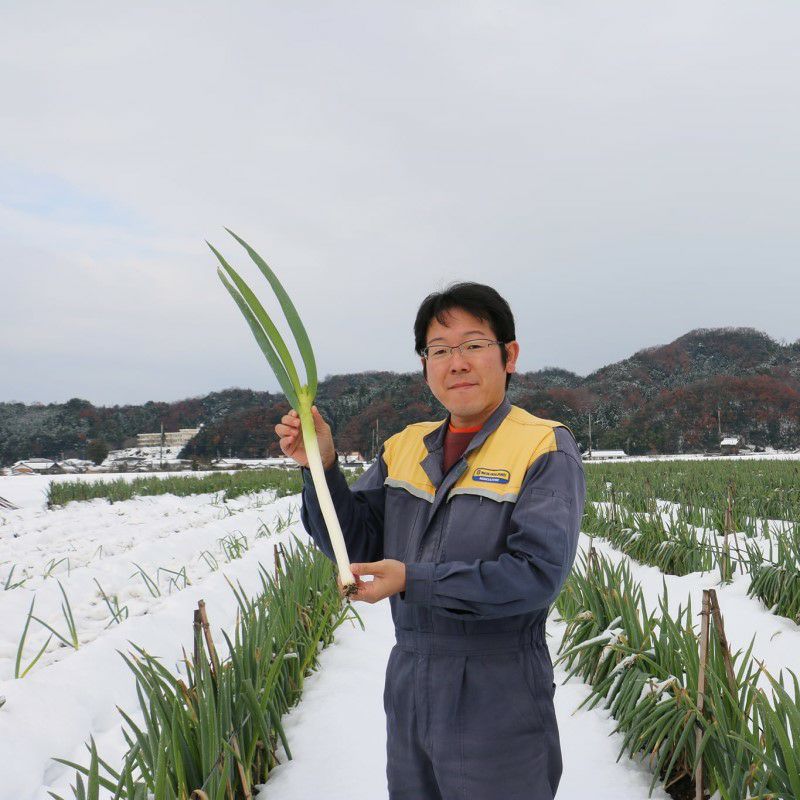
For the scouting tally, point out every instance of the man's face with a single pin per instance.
(470, 387)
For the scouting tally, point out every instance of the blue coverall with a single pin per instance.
(487, 547)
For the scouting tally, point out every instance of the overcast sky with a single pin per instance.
(622, 172)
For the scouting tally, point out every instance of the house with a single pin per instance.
(731, 445)
(125, 462)
(36, 466)
(75, 465)
(597, 455)
(277, 462)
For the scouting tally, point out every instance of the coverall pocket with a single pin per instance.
(538, 680)
(388, 703)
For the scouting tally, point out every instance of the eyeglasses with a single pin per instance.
(471, 349)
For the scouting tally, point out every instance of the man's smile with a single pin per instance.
(463, 386)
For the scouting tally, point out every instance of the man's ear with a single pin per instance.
(512, 348)
(424, 369)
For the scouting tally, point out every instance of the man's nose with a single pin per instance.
(457, 360)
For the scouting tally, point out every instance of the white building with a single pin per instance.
(276, 462)
(178, 438)
(597, 455)
(351, 458)
(35, 466)
(731, 445)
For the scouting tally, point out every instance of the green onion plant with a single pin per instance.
(8, 583)
(19, 672)
(69, 618)
(118, 613)
(300, 395)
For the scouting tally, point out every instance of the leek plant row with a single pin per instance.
(677, 548)
(759, 491)
(674, 547)
(644, 667)
(776, 575)
(282, 481)
(213, 731)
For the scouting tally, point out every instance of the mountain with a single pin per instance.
(665, 399)
(671, 398)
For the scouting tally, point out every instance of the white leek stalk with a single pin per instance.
(300, 397)
(325, 501)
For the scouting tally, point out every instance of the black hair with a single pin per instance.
(477, 299)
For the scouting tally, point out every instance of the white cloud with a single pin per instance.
(582, 157)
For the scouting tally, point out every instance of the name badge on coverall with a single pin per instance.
(485, 475)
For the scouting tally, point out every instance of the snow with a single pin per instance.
(340, 728)
(30, 491)
(768, 455)
(71, 694)
(776, 639)
(149, 455)
(337, 732)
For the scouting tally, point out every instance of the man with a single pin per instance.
(470, 527)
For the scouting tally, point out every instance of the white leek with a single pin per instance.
(300, 396)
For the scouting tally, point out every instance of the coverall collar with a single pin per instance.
(434, 441)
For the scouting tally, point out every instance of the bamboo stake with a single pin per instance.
(212, 651)
(699, 792)
(719, 627)
(277, 558)
(726, 558)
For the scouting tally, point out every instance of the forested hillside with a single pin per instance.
(663, 399)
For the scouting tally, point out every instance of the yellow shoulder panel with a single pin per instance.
(535, 430)
(498, 467)
(403, 453)
(495, 470)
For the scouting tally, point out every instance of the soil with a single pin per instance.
(682, 789)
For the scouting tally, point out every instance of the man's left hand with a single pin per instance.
(389, 577)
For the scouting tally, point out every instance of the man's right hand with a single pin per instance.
(291, 438)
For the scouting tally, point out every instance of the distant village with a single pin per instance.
(158, 452)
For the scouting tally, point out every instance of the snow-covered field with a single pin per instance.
(70, 693)
(336, 733)
(773, 455)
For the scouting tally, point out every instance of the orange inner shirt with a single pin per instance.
(456, 441)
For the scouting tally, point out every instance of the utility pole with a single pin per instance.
(590, 434)
(161, 459)
(374, 440)
(719, 422)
